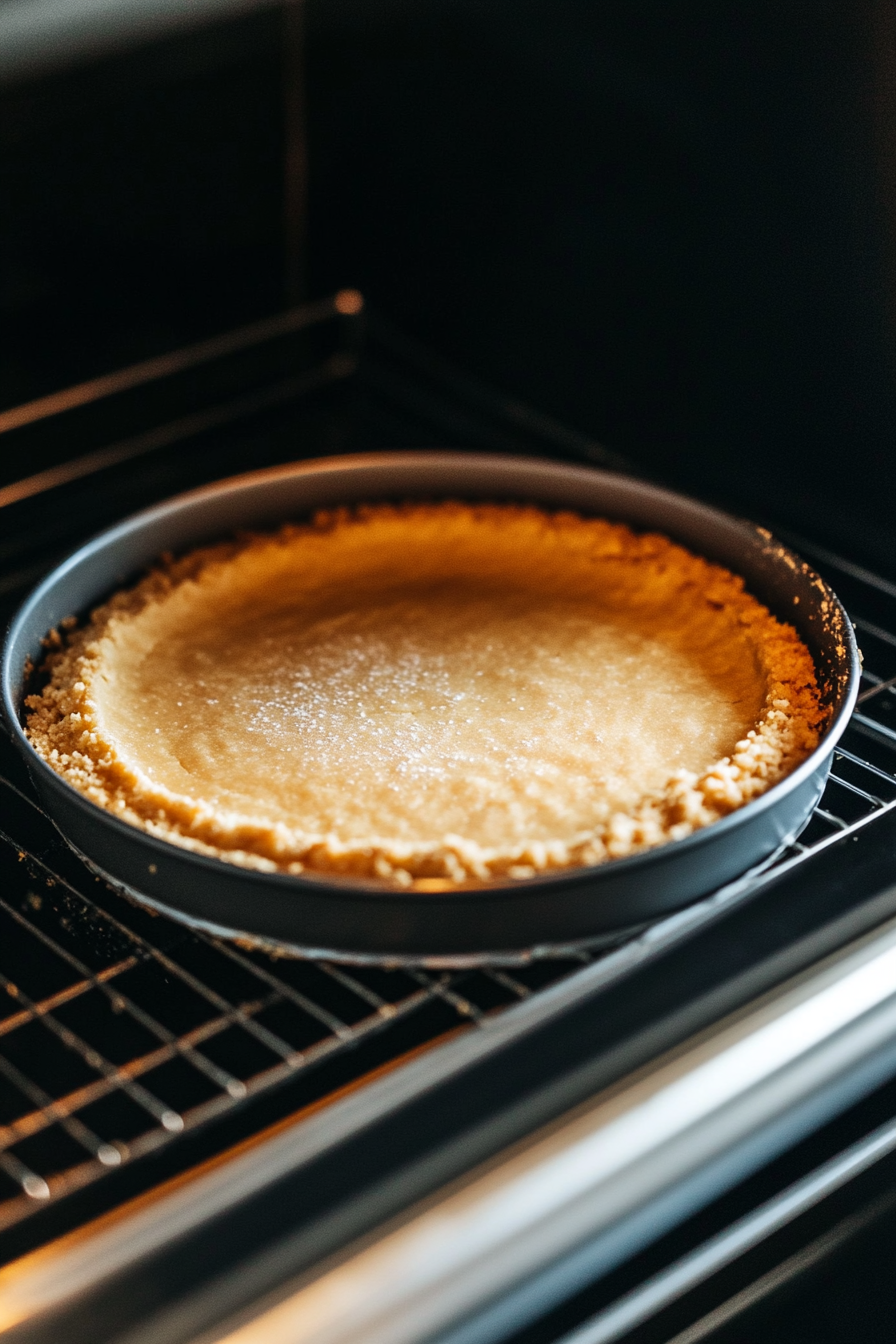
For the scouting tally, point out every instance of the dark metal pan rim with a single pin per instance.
(372, 889)
(830, 629)
(276, 947)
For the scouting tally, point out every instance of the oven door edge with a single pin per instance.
(497, 1248)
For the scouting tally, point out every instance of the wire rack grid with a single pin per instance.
(121, 1030)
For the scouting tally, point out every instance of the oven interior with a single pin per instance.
(135, 1053)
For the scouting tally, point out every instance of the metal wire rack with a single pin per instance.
(121, 1030)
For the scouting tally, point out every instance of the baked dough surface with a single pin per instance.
(433, 693)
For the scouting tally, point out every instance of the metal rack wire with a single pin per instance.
(120, 1030)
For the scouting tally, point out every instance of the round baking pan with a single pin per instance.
(362, 920)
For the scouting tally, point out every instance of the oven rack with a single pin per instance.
(121, 1031)
(133, 1048)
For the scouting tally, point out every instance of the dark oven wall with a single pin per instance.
(142, 203)
(667, 225)
(664, 224)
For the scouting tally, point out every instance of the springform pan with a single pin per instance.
(362, 920)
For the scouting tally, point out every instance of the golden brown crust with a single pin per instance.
(585, 559)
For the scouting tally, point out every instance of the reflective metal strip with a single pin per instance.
(804, 1259)
(671, 1283)
(37, 35)
(345, 302)
(610, 1160)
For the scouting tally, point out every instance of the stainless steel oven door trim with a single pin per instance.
(555, 1212)
(657, 1292)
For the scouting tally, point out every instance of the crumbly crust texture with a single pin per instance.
(429, 695)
